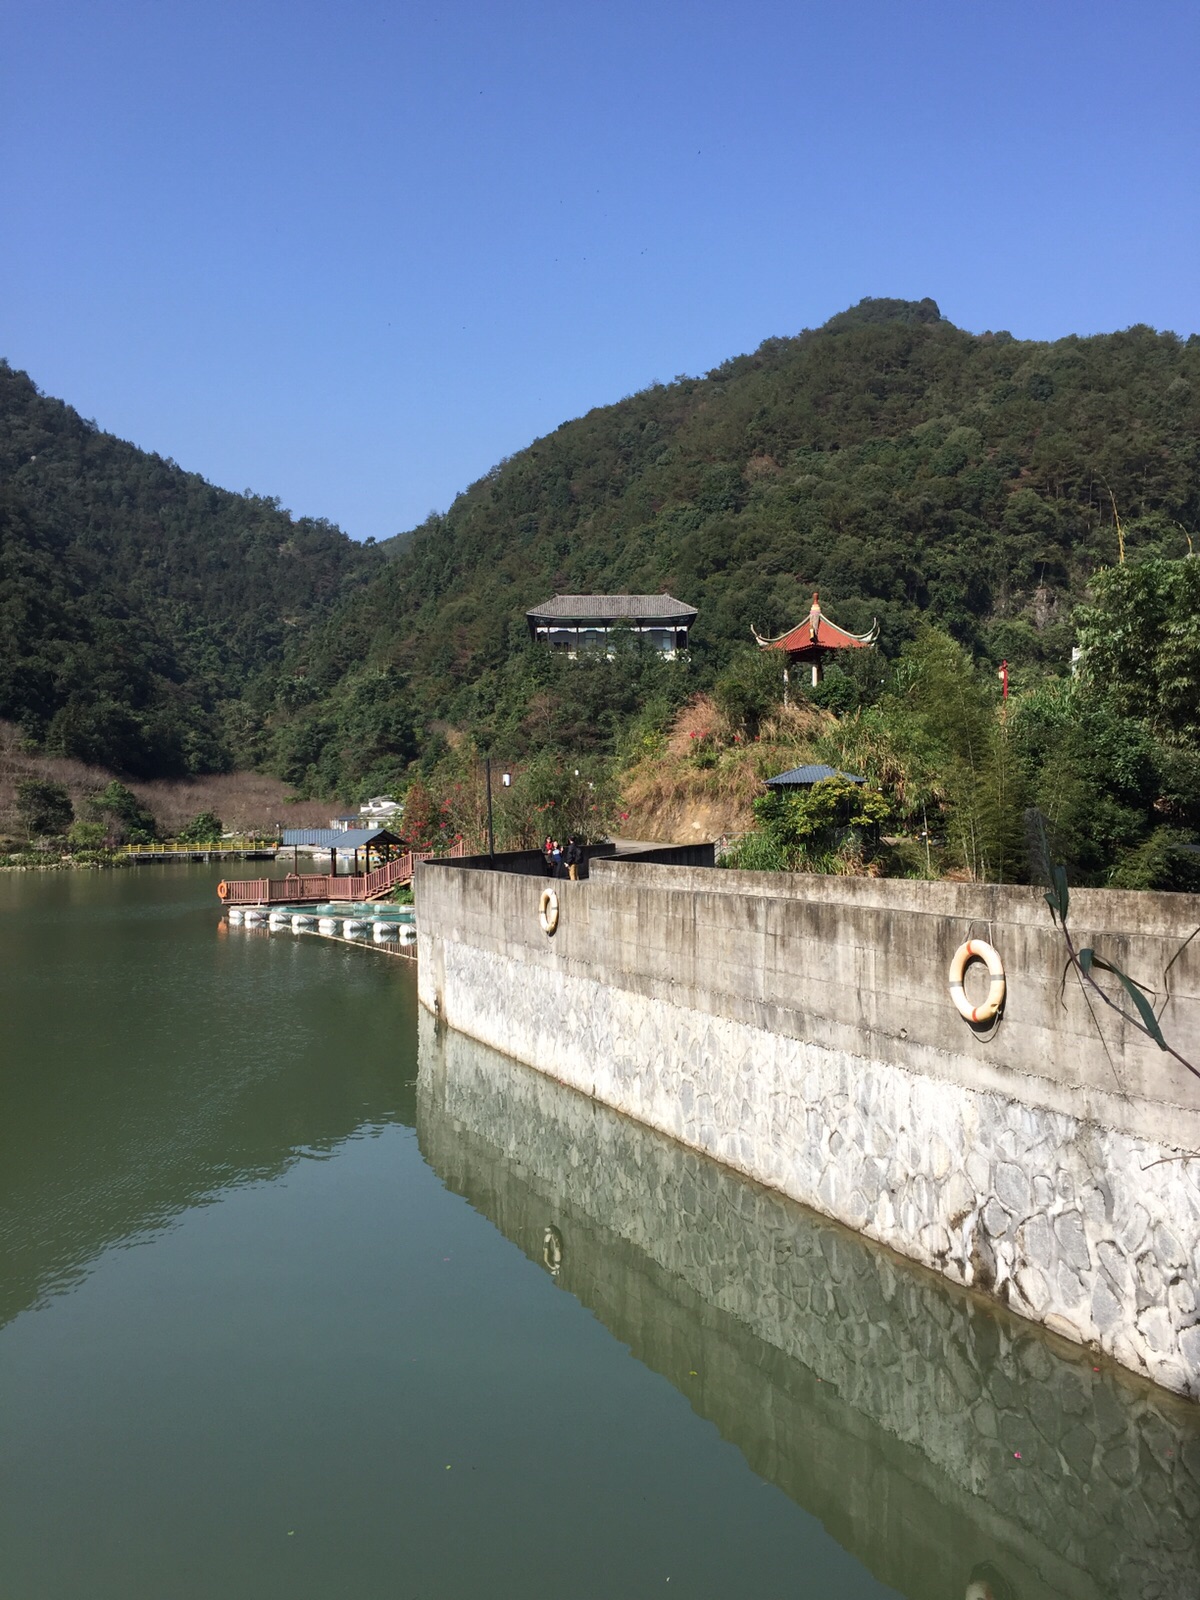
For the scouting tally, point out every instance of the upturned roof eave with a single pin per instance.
(798, 640)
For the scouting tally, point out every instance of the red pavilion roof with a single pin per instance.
(817, 633)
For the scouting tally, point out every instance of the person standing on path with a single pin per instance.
(573, 855)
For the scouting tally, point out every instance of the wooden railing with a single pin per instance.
(320, 887)
(213, 846)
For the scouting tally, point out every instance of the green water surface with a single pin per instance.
(298, 1298)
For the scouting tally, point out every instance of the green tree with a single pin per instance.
(751, 688)
(43, 807)
(831, 824)
(86, 835)
(938, 739)
(204, 828)
(424, 818)
(1092, 773)
(126, 820)
(1140, 642)
(559, 798)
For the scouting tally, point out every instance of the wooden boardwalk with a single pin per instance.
(142, 853)
(299, 889)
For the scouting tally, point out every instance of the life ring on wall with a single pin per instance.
(976, 950)
(223, 890)
(552, 1250)
(548, 910)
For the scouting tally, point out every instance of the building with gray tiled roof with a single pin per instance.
(583, 622)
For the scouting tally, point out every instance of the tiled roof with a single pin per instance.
(800, 777)
(612, 608)
(829, 637)
(339, 838)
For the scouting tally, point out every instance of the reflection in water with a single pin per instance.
(954, 1450)
(146, 1072)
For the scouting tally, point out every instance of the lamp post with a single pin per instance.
(487, 767)
(506, 780)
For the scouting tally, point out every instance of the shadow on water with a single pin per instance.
(154, 1059)
(951, 1448)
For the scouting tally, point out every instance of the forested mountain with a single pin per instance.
(911, 470)
(139, 604)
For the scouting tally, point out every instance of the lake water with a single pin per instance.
(301, 1296)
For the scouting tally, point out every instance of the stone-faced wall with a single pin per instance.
(801, 1031)
(934, 1435)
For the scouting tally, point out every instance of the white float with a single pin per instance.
(235, 915)
(384, 930)
(254, 916)
(327, 925)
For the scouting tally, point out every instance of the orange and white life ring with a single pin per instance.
(548, 911)
(223, 890)
(976, 950)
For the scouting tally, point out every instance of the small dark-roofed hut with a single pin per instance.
(805, 777)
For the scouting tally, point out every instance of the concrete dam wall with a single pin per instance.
(800, 1030)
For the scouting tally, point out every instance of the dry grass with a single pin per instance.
(246, 802)
(704, 783)
(699, 718)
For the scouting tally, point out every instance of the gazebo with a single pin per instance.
(341, 841)
(813, 639)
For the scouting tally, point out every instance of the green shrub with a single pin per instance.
(1159, 862)
(44, 807)
(205, 828)
(124, 817)
(85, 836)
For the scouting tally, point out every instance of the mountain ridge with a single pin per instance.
(907, 468)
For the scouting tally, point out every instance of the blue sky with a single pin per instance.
(352, 255)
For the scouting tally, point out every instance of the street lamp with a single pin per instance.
(506, 780)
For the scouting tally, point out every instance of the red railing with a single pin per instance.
(297, 888)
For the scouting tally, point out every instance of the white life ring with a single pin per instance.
(548, 911)
(552, 1250)
(976, 950)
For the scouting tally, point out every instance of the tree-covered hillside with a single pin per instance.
(139, 605)
(911, 470)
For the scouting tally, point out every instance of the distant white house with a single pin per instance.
(346, 823)
(381, 808)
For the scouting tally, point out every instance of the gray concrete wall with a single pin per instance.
(801, 1031)
(932, 1435)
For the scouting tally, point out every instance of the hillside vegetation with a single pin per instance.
(912, 471)
(139, 605)
(971, 491)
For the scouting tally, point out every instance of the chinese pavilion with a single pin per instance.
(811, 641)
